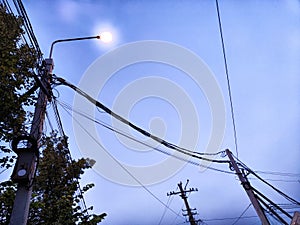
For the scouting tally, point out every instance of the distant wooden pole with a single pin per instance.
(189, 212)
(182, 193)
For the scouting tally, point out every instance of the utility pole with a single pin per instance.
(182, 193)
(296, 219)
(28, 155)
(247, 186)
(27, 149)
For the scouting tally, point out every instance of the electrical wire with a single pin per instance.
(271, 211)
(274, 188)
(49, 121)
(278, 173)
(288, 206)
(165, 209)
(273, 204)
(5, 169)
(178, 214)
(67, 107)
(28, 29)
(62, 133)
(277, 180)
(120, 164)
(28, 37)
(245, 210)
(180, 210)
(58, 119)
(267, 183)
(227, 78)
(230, 218)
(234, 218)
(138, 129)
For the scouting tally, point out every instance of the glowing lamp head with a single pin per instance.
(106, 37)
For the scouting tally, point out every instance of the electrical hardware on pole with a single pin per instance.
(182, 194)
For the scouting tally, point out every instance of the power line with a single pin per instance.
(135, 127)
(289, 206)
(28, 37)
(120, 164)
(277, 180)
(278, 173)
(267, 183)
(271, 203)
(227, 78)
(165, 209)
(230, 218)
(275, 189)
(245, 210)
(28, 28)
(271, 211)
(68, 107)
(5, 169)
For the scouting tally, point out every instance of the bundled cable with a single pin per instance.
(135, 127)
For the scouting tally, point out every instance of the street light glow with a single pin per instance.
(106, 37)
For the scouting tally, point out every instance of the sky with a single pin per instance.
(164, 71)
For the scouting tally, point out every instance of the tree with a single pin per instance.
(17, 63)
(55, 198)
(16, 70)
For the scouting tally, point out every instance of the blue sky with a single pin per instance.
(262, 40)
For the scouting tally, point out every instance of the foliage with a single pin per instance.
(55, 198)
(7, 195)
(16, 78)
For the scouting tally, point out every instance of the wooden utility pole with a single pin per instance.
(247, 186)
(25, 167)
(182, 193)
(296, 219)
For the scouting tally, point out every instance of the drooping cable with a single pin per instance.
(135, 127)
(67, 107)
(227, 78)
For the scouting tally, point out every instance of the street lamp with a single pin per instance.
(71, 39)
(25, 166)
(105, 37)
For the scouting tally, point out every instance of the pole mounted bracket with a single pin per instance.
(25, 147)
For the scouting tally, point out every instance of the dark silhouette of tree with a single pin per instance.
(55, 198)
